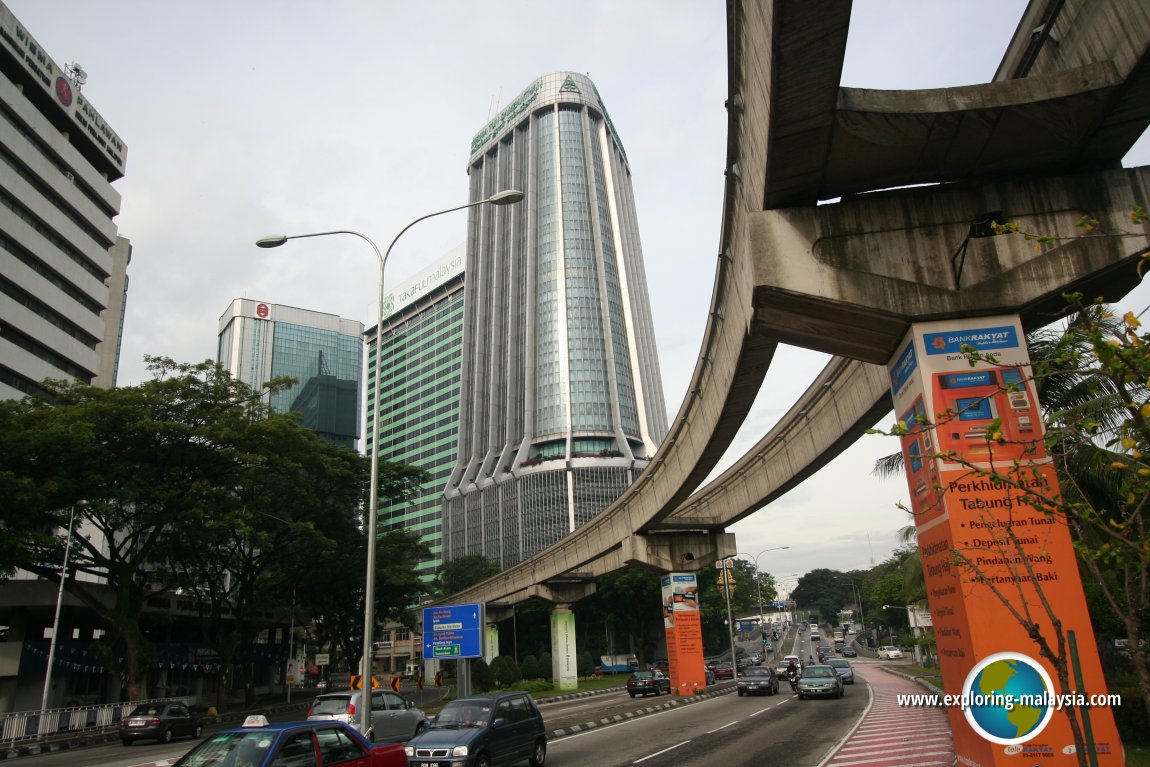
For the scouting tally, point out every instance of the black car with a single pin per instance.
(648, 683)
(758, 680)
(490, 730)
(849, 652)
(160, 721)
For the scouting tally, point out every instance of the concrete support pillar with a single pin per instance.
(490, 642)
(564, 669)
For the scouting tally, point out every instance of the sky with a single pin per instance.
(244, 119)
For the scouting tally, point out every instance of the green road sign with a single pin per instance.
(449, 650)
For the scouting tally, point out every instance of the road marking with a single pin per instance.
(665, 750)
(725, 726)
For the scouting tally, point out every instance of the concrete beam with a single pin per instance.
(849, 278)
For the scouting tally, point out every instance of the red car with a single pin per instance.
(260, 744)
(724, 671)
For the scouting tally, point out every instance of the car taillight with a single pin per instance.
(309, 710)
(351, 709)
(123, 722)
(154, 721)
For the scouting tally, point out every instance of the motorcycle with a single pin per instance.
(793, 678)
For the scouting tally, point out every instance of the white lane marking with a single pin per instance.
(725, 726)
(665, 750)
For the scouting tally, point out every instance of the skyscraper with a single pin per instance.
(419, 392)
(62, 266)
(562, 404)
(259, 341)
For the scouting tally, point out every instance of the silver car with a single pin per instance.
(394, 718)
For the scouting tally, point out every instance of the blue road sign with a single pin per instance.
(453, 631)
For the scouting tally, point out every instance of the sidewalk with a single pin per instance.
(890, 735)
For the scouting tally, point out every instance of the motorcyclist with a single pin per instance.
(793, 674)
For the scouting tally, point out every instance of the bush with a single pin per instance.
(481, 677)
(530, 668)
(545, 665)
(505, 671)
(585, 664)
(537, 685)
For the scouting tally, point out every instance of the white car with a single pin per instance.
(889, 653)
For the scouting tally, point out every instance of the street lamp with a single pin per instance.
(758, 584)
(56, 621)
(506, 197)
(912, 619)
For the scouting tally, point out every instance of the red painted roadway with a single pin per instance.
(891, 735)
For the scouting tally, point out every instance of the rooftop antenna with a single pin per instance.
(76, 74)
(871, 547)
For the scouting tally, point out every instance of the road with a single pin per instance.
(725, 729)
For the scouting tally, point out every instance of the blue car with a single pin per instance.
(291, 744)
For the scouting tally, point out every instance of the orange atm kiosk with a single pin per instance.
(971, 402)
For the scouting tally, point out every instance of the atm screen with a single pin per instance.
(974, 409)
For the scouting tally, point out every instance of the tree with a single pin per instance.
(481, 677)
(463, 572)
(631, 600)
(506, 673)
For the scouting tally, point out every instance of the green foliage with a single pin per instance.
(545, 665)
(529, 668)
(482, 678)
(506, 673)
(537, 686)
(585, 664)
(630, 600)
(463, 572)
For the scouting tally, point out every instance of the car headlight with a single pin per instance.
(409, 751)
(459, 751)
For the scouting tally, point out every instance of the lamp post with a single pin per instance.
(506, 197)
(726, 582)
(56, 621)
(758, 584)
(912, 619)
(862, 618)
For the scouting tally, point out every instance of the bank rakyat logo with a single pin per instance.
(1010, 698)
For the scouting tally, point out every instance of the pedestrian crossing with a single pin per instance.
(890, 735)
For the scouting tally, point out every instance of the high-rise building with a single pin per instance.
(562, 404)
(259, 341)
(419, 392)
(63, 269)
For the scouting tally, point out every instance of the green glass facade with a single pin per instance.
(419, 392)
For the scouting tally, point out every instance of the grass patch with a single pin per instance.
(542, 688)
(932, 675)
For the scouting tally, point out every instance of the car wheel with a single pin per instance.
(422, 727)
(166, 737)
(126, 741)
(802, 697)
(632, 696)
(740, 693)
(483, 760)
(539, 755)
(196, 733)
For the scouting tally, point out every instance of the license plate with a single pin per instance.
(137, 722)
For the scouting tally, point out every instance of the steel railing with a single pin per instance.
(25, 725)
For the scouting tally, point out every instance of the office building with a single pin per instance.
(419, 392)
(63, 268)
(259, 341)
(562, 404)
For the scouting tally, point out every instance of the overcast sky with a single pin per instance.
(260, 117)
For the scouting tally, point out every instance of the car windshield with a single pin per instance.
(146, 710)
(230, 748)
(818, 672)
(460, 713)
(756, 672)
(840, 664)
(328, 706)
(642, 675)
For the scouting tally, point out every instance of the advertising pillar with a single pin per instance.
(564, 666)
(490, 642)
(684, 633)
(977, 466)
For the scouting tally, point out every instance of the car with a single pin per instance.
(783, 664)
(291, 744)
(849, 652)
(161, 722)
(889, 653)
(724, 670)
(820, 680)
(822, 652)
(840, 646)
(661, 664)
(758, 680)
(394, 718)
(490, 730)
(648, 683)
(844, 669)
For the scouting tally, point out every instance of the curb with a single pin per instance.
(585, 694)
(685, 701)
(917, 679)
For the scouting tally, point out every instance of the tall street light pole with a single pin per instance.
(56, 621)
(506, 197)
(758, 583)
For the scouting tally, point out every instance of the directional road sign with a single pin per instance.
(453, 631)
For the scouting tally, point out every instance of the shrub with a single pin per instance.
(585, 664)
(505, 671)
(481, 677)
(530, 668)
(545, 665)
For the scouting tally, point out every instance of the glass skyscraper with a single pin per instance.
(419, 392)
(259, 341)
(562, 404)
